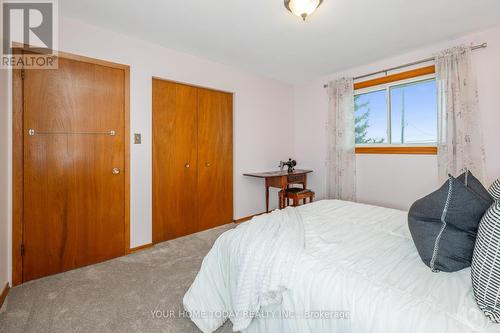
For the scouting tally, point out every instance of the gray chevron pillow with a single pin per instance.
(495, 190)
(485, 268)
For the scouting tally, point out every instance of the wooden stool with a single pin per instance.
(295, 194)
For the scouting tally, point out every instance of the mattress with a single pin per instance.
(360, 272)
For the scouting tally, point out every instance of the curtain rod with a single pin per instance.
(475, 47)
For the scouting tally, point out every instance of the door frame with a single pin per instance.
(18, 156)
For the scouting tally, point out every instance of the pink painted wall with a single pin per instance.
(263, 115)
(397, 180)
(272, 121)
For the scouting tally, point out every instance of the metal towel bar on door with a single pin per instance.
(32, 132)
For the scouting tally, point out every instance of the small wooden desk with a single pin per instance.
(281, 180)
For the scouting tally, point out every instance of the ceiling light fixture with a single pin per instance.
(302, 8)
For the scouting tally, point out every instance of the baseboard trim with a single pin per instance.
(247, 218)
(141, 248)
(4, 294)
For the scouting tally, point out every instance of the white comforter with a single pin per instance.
(358, 272)
(258, 262)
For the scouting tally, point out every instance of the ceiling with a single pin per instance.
(262, 37)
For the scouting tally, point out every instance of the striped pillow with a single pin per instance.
(486, 264)
(495, 190)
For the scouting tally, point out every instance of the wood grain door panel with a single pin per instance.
(215, 158)
(74, 207)
(174, 160)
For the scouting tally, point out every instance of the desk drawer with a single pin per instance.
(292, 179)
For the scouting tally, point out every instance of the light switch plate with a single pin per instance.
(137, 138)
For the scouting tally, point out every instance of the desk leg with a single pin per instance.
(282, 198)
(267, 198)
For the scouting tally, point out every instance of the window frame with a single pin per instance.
(385, 84)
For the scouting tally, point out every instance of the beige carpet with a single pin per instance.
(116, 296)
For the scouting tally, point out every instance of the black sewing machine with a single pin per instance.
(290, 164)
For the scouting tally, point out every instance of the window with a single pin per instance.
(371, 117)
(398, 116)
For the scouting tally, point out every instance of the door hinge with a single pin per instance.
(22, 250)
(22, 74)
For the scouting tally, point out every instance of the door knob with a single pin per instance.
(208, 164)
(116, 171)
(187, 166)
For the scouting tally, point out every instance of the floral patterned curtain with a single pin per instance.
(460, 140)
(341, 163)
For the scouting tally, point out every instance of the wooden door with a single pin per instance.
(175, 135)
(74, 206)
(215, 158)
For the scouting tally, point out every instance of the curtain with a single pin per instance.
(341, 159)
(460, 140)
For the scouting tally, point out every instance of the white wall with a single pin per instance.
(273, 121)
(397, 180)
(263, 115)
(4, 178)
(263, 111)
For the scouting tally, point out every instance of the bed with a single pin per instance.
(344, 267)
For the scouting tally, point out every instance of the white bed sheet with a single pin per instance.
(359, 262)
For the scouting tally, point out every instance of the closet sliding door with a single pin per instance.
(192, 159)
(175, 163)
(215, 158)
